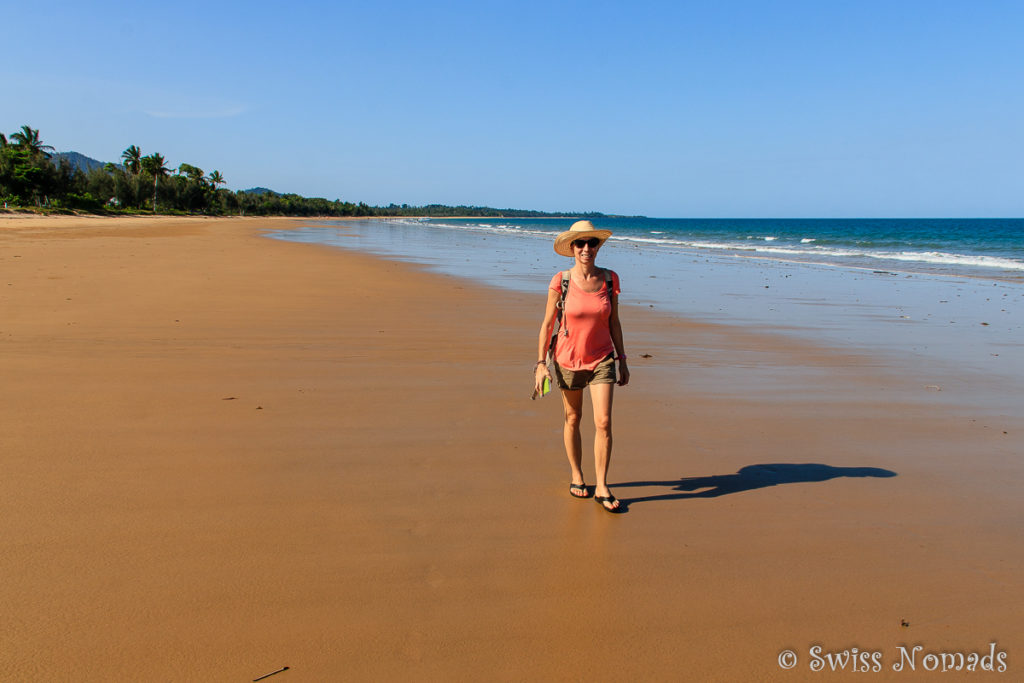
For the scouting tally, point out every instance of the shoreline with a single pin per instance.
(229, 454)
(948, 332)
(950, 255)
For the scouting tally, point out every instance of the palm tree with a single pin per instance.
(216, 179)
(132, 159)
(156, 165)
(193, 173)
(28, 138)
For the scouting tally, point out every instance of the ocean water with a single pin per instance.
(973, 247)
(943, 296)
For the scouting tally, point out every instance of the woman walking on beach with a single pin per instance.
(589, 341)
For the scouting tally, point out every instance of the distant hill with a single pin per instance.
(79, 161)
(261, 190)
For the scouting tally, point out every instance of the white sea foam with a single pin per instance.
(496, 229)
(808, 240)
(956, 259)
(833, 254)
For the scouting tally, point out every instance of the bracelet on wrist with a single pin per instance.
(622, 356)
(540, 362)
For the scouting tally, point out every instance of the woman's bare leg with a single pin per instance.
(572, 403)
(601, 397)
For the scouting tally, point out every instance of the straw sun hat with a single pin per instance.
(580, 230)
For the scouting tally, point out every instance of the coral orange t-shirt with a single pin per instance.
(586, 317)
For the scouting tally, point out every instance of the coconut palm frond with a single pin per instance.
(28, 138)
(132, 159)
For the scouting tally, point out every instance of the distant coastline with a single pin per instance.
(36, 178)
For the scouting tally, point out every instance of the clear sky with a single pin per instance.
(681, 109)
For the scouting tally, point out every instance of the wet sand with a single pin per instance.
(225, 454)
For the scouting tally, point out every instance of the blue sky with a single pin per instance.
(710, 109)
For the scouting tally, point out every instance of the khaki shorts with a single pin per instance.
(604, 373)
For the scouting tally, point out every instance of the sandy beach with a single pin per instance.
(225, 454)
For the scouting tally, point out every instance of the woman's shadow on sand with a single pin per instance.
(749, 478)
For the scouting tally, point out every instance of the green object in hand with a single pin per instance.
(545, 387)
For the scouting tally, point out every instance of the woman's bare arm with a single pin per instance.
(545, 331)
(615, 327)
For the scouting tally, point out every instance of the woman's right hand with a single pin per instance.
(539, 375)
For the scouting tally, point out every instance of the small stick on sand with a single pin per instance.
(283, 668)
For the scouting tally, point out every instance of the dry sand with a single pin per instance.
(224, 454)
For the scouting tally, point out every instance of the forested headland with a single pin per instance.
(34, 177)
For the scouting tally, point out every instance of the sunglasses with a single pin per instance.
(593, 243)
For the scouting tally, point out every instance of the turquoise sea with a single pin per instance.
(978, 247)
(943, 297)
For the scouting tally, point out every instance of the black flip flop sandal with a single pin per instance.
(579, 487)
(601, 500)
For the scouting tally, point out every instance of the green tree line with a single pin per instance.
(29, 177)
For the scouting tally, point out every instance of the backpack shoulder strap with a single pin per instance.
(565, 288)
(560, 323)
(609, 283)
